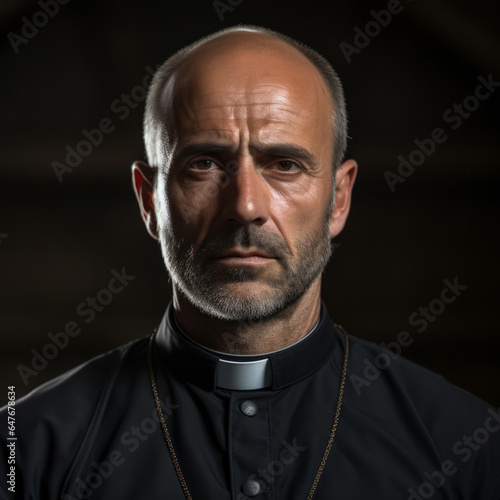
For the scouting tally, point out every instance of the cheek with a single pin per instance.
(299, 215)
(189, 210)
(306, 200)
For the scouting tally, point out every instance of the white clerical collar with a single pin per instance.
(244, 375)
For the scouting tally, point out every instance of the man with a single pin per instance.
(247, 390)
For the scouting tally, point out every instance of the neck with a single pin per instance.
(250, 337)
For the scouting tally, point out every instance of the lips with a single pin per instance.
(244, 256)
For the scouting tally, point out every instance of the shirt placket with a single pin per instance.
(250, 446)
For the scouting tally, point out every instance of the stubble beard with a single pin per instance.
(210, 286)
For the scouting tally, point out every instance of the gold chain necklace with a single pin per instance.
(170, 445)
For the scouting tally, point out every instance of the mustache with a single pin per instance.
(244, 237)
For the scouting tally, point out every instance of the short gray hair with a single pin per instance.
(159, 136)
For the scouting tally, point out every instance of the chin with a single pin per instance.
(242, 302)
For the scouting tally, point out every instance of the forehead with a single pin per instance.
(248, 79)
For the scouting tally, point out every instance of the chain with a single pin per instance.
(170, 445)
(168, 439)
(336, 416)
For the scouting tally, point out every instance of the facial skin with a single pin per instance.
(242, 209)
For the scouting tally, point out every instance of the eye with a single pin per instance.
(203, 164)
(287, 166)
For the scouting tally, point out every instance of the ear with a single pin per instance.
(143, 177)
(344, 182)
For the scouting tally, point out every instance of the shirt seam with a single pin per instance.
(490, 490)
(90, 435)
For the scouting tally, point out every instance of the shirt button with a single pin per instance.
(251, 488)
(248, 408)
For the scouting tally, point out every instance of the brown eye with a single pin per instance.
(203, 165)
(287, 166)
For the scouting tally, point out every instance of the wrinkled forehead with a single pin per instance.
(246, 72)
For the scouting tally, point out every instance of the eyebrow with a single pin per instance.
(284, 150)
(201, 148)
(288, 151)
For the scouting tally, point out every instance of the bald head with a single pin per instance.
(238, 131)
(231, 63)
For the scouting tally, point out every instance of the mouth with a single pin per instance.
(239, 257)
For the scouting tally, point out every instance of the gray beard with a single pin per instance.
(206, 283)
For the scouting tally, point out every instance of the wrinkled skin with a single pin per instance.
(243, 209)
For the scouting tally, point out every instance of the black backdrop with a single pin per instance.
(61, 239)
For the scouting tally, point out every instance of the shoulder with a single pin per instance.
(53, 420)
(430, 393)
(412, 401)
(81, 385)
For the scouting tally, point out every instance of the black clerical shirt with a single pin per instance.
(404, 432)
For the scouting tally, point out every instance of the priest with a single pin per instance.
(247, 389)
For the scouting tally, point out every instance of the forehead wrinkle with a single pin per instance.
(255, 89)
(265, 111)
(236, 105)
(231, 128)
(198, 111)
(267, 118)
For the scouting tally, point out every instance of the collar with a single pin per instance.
(211, 369)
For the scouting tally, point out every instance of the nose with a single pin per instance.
(246, 196)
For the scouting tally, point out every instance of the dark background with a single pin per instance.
(59, 241)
